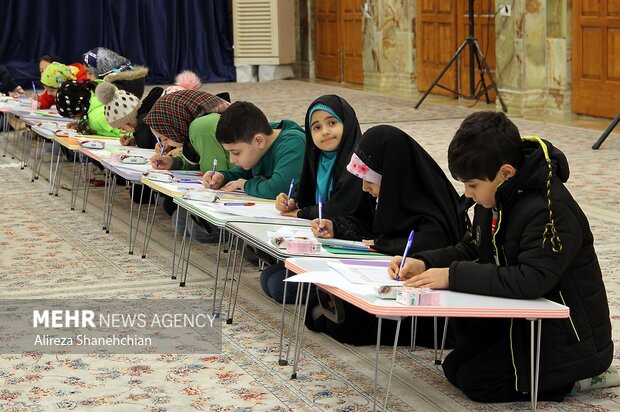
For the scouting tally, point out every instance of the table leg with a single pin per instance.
(232, 314)
(292, 339)
(283, 362)
(217, 268)
(74, 189)
(300, 332)
(37, 158)
(51, 169)
(26, 148)
(414, 332)
(59, 169)
(443, 340)
(230, 240)
(232, 279)
(106, 179)
(534, 361)
(5, 130)
(377, 348)
(148, 230)
(178, 265)
(132, 240)
(387, 389)
(87, 173)
(185, 261)
(110, 207)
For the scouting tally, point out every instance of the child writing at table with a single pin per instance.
(77, 100)
(332, 132)
(52, 79)
(529, 239)
(187, 120)
(129, 115)
(412, 193)
(266, 155)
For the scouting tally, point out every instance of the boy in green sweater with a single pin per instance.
(266, 155)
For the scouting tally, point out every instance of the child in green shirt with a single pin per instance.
(266, 155)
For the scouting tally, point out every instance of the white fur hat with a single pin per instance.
(120, 107)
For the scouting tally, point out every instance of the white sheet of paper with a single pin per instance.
(364, 275)
(292, 231)
(330, 278)
(257, 210)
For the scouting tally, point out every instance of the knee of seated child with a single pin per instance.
(450, 370)
(476, 389)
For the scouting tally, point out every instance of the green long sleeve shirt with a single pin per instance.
(97, 121)
(202, 138)
(281, 162)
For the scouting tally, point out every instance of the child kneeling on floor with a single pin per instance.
(529, 239)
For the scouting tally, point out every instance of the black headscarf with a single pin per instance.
(346, 197)
(415, 193)
(73, 99)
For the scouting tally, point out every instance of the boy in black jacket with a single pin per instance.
(529, 239)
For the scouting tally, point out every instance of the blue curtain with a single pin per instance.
(167, 36)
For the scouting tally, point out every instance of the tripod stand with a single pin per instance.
(475, 54)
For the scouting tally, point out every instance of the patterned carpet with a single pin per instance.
(50, 251)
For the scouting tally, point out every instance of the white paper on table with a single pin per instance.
(364, 274)
(293, 231)
(330, 278)
(257, 210)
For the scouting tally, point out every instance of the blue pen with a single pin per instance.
(188, 180)
(402, 262)
(213, 173)
(290, 191)
(36, 94)
(320, 213)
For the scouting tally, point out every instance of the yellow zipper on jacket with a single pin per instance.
(570, 318)
(512, 356)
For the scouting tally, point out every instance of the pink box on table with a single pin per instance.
(303, 246)
(417, 296)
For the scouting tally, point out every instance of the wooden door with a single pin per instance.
(338, 40)
(484, 32)
(435, 43)
(327, 40)
(596, 57)
(351, 41)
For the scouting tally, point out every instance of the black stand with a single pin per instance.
(475, 54)
(606, 133)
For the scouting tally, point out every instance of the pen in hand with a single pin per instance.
(213, 173)
(407, 247)
(290, 191)
(320, 213)
(161, 151)
(36, 96)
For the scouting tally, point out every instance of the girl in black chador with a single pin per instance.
(332, 132)
(412, 193)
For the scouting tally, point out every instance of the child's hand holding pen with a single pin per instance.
(127, 140)
(322, 228)
(212, 180)
(410, 268)
(285, 204)
(161, 162)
